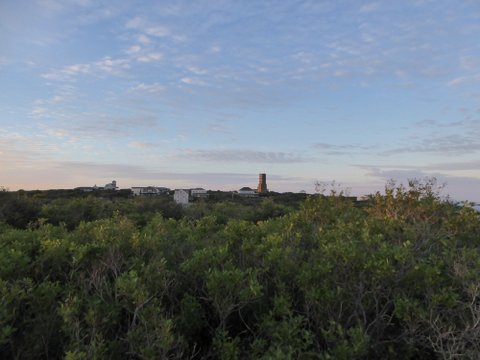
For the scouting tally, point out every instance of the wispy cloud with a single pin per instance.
(143, 39)
(142, 145)
(341, 149)
(103, 67)
(112, 66)
(469, 62)
(196, 70)
(241, 156)
(3, 61)
(56, 6)
(436, 167)
(133, 49)
(88, 126)
(149, 88)
(68, 72)
(149, 57)
(100, 124)
(219, 127)
(452, 144)
(464, 79)
(135, 23)
(144, 26)
(39, 111)
(454, 166)
(193, 81)
(457, 81)
(430, 123)
(19, 149)
(55, 99)
(370, 7)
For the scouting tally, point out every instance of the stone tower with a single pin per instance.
(262, 183)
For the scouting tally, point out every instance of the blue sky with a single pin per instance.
(211, 93)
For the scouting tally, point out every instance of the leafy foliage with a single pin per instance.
(89, 277)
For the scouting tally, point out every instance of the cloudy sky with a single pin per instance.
(211, 93)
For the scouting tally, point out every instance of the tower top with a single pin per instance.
(262, 183)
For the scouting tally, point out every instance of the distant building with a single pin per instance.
(247, 192)
(109, 186)
(181, 196)
(86, 188)
(262, 183)
(198, 193)
(149, 190)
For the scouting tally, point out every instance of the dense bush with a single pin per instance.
(397, 279)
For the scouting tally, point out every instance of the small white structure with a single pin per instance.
(111, 186)
(247, 192)
(149, 190)
(181, 197)
(85, 188)
(198, 193)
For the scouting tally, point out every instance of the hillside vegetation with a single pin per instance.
(100, 278)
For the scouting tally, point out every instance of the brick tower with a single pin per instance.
(262, 183)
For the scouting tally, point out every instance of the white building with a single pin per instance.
(85, 188)
(111, 186)
(149, 190)
(247, 192)
(198, 193)
(181, 197)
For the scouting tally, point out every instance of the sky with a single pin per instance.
(212, 93)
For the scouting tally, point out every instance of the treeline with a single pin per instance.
(397, 279)
(23, 209)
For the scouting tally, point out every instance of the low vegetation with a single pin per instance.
(85, 277)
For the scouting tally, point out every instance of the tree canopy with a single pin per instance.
(86, 278)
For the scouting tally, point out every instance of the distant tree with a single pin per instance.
(18, 210)
(73, 211)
